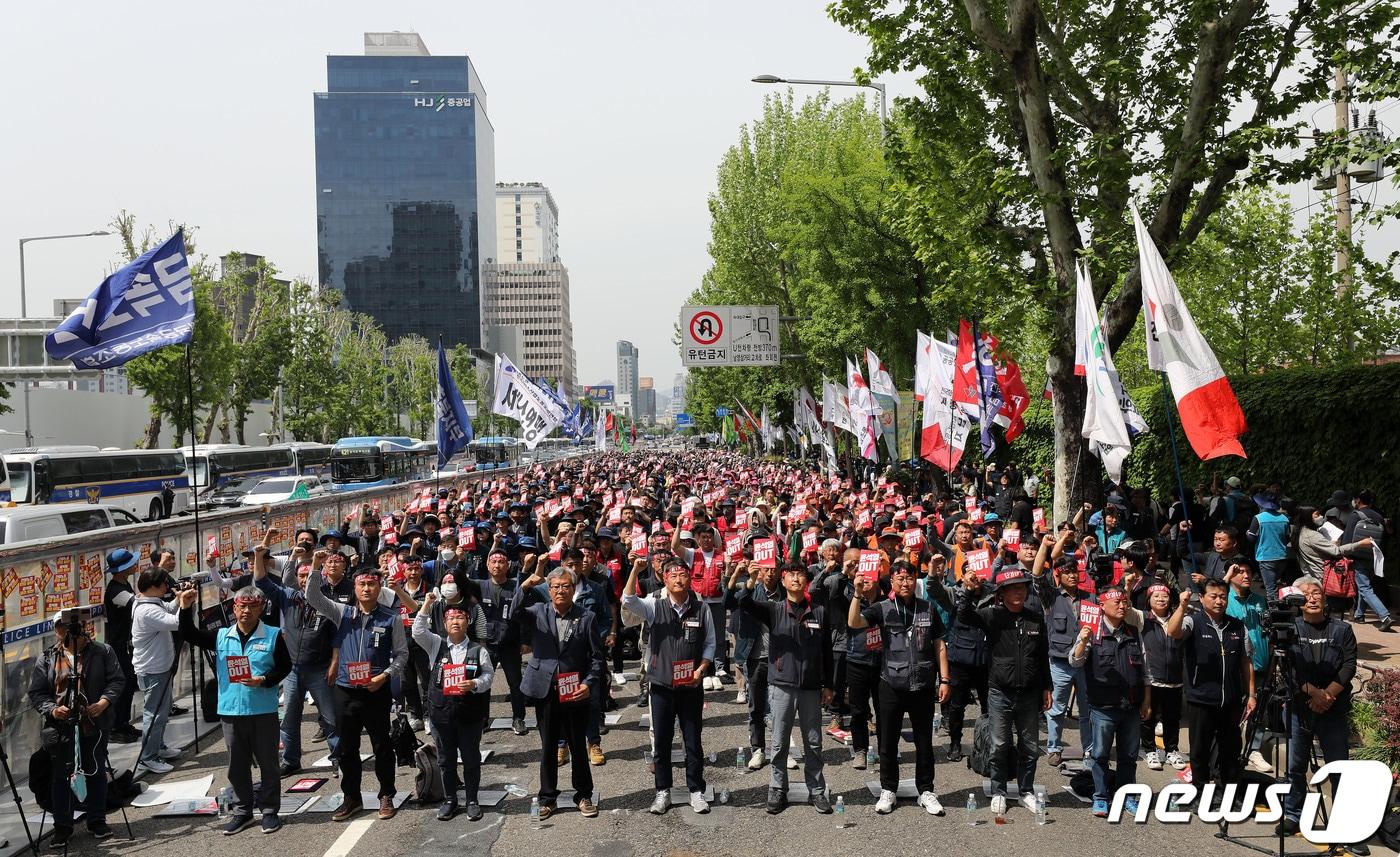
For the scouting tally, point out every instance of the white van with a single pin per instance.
(27, 523)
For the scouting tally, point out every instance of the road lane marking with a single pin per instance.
(348, 839)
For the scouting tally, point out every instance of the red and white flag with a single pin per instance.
(943, 434)
(1103, 425)
(864, 411)
(1210, 413)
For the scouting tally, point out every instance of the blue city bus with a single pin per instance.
(212, 466)
(149, 483)
(371, 462)
(495, 453)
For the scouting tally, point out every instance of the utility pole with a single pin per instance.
(1341, 104)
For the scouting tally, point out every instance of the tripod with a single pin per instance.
(1278, 711)
(19, 802)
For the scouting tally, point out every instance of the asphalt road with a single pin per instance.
(625, 829)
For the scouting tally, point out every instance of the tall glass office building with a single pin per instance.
(406, 187)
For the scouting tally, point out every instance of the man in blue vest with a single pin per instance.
(250, 659)
(1219, 673)
(371, 649)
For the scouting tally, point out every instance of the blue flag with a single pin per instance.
(454, 427)
(989, 396)
(149, 304)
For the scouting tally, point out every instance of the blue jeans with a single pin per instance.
(804, 706)
(1269, 570)
(155, 713)
(1109, 725)
(1064, 677)
(304, 679)
(1331, 730)
(1366, 593)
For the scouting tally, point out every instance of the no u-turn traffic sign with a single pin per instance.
(729, 336)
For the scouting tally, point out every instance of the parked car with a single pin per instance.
(231, 495)
(26, 523)
(279, 489)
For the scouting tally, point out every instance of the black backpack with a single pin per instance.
(980, 759)
(404, 740)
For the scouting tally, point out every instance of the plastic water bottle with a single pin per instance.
(712, 757)
(871, 757)
(723, 796)
(840, 810)
(515, 790)
(971, 810)
(535, 812)
(1040, 815)
(225, 801)
(741, 758)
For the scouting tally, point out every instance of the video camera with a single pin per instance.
(74, 620)
(1102, 571)
(1280, 622)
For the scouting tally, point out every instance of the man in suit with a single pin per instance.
(565, 670)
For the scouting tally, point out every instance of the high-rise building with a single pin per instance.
(646, 400)
(677, 405)
(527, 287)
(405, 187)
(627, 383)
(527, 223)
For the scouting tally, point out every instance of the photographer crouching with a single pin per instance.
(74, 686)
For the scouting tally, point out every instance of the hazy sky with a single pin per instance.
(202, 112)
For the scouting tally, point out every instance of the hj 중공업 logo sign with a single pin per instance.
(1358, 804)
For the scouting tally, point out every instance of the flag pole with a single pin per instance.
(196, 662)
(1176, 462)
(437, 471)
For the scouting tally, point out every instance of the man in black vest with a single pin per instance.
(799, 680)
(914, 673)
(1118, 694)
(1216, 658)
(501, 635)
(566, 668)
(117, 601)
(681, 646)
(458, 702)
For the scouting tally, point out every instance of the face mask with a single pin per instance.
(449, 591)
(447, 554)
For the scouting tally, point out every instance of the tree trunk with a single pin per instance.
(1077, 470)
(153, 431)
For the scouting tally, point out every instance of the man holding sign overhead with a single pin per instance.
(913, 675)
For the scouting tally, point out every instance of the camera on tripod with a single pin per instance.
(74, 621)
(1280, 621)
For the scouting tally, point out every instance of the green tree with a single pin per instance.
(256, 305)
(1071, 105)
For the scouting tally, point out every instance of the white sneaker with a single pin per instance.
(1259, 764)
(698, 803)
(1178, 761)
(662, 802)
(720, 672)
(885, 805)
(792, 760)
(712, 683)
(1028, 801)
(757, 761)
(742, 698)
(168, 753)
(929, 801)
(1154, 760)
(998, 804)
(1158, 729)
(155, 767)
(415, 723)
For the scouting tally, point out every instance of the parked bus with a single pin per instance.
(214, 465)
(149, 483)
(312, 459)
(370, 462)
(495, 453)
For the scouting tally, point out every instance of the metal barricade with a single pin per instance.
(40, 578)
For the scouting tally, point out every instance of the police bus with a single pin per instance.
(214, 465)
(312, 459)
(373, 461)
(149, 483)
(495, 453)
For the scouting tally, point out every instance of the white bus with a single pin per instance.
(149, 483)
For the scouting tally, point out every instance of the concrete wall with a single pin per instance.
(101, 419)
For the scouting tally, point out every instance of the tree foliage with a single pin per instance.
(1071, 108)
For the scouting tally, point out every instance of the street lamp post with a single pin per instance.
(24, 314)
(878, 87)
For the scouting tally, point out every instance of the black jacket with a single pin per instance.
(1017, 643)
(102, 679)
(799, 641)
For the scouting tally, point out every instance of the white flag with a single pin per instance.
(923, 363)
(518, 398)
(945, 427)
(880, 381)
(864, 411)
(836, 407)
(1103, 427)
(600, 433)
(765, 429)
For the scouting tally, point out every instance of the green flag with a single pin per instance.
(300, 493)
